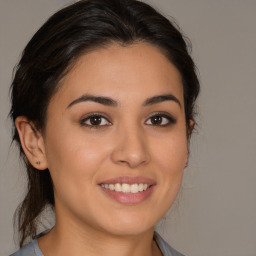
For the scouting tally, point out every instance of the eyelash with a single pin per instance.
(170, 120)
(94, 115)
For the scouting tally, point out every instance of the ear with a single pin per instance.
(32, 142)
(190, 128)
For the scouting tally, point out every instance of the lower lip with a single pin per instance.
(129, 198)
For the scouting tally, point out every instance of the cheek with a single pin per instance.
(74, 163)
(73, 158)
(169, 160)
(170, 157)
(171, 152)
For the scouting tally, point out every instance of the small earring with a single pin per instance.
(38, 162)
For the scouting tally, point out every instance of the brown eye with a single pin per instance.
(95, 121)
(156, 120)
(160, 120)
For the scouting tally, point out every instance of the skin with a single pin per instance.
(126, 143)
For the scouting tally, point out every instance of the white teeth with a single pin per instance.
(134, 188)
(126, 188)
(118, 187)
(111, 187)
(141, 187)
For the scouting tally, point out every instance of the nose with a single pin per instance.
(130, 148)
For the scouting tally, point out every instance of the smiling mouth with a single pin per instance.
(126, 188)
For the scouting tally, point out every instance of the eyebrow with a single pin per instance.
(161, 98)
(113, 103)
(98, 99)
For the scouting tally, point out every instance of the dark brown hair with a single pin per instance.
(79, 28)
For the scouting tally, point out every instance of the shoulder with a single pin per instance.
(165, 248)
(30, 249)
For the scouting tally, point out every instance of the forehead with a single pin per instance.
(135, 71)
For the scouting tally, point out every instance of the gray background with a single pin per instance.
(216, 210)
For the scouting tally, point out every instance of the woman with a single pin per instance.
(103, 107)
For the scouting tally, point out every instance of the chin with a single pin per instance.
(130, 225)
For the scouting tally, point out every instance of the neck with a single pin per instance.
(73, 241)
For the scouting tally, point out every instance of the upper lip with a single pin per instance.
(129, 180)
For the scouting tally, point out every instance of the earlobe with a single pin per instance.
(32, 142)
(191, 127)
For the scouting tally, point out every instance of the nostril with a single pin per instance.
(122, 162)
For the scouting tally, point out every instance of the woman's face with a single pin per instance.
(117, 124)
